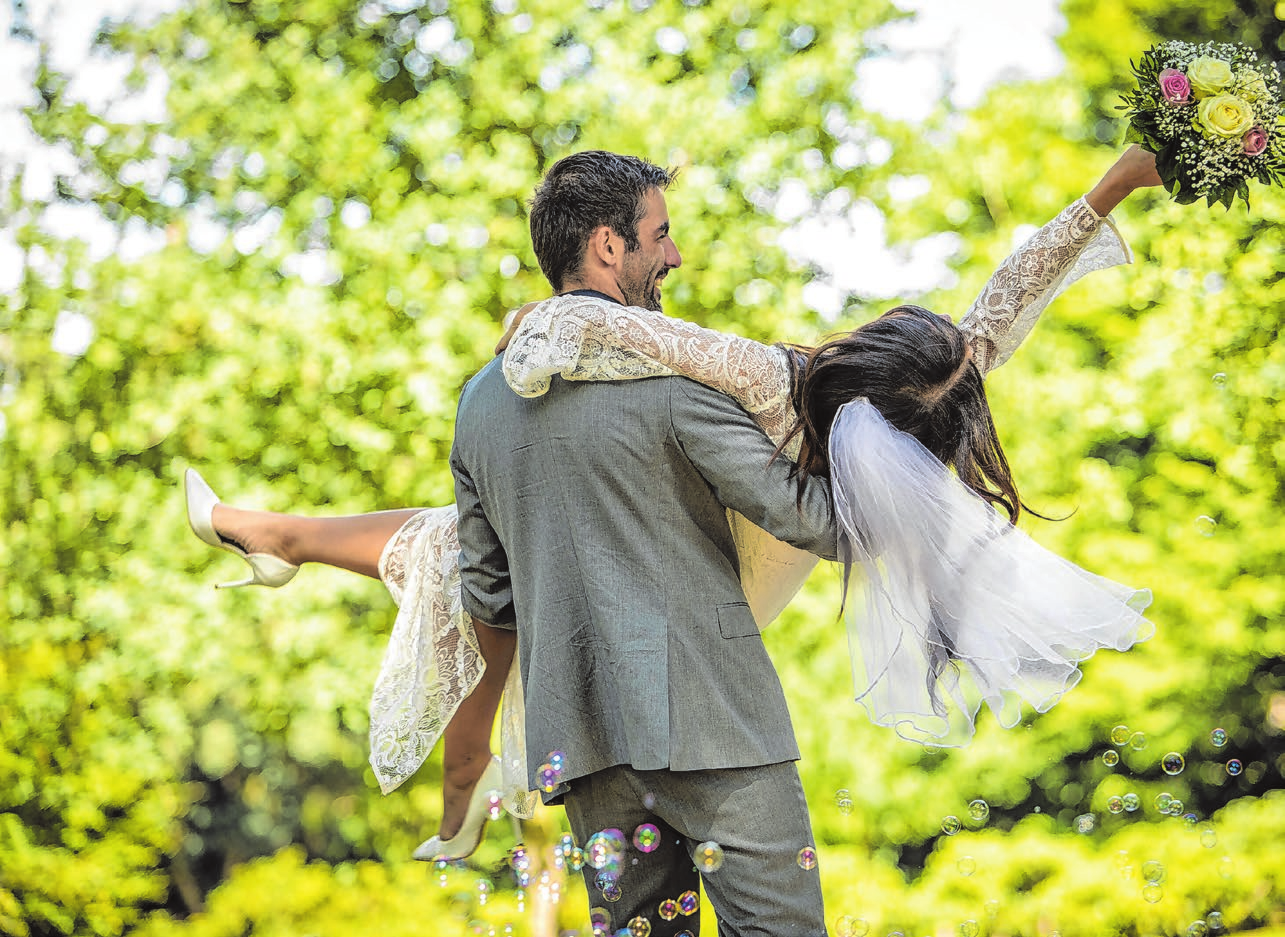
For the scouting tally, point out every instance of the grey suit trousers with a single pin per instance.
(757, 817)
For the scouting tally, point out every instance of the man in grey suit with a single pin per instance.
(592, 520)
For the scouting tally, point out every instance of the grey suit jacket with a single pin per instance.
(592, 520)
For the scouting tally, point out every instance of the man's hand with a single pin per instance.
(513, 326)
(1135, 169)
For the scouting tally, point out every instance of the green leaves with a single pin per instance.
(340, 227)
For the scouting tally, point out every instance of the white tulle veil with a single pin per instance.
(947, 604)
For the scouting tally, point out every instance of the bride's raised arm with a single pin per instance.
(1080, 240)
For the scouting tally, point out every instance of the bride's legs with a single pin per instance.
(467, 738)
(354, 542)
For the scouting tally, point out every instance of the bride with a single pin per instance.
(444, 675)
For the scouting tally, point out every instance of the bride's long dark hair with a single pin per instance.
(916, 368)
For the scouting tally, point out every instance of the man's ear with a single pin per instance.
(605, 247)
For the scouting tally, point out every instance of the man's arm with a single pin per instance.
(486, 588)
(735, 457)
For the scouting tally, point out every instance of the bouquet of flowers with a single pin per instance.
(1211, 112)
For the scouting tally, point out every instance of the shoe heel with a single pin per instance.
(265, 569)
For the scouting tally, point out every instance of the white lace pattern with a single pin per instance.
(1075, 243)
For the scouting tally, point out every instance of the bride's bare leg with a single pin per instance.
(354, 543)
(467, 738)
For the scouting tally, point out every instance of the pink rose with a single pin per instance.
(1174, 86)
(1255, 141)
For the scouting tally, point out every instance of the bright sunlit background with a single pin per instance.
(272, 240)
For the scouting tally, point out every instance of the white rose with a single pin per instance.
(1208, 76)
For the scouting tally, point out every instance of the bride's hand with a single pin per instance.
(515, 321)
(1135, 169)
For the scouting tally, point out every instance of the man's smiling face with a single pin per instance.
(643, 269)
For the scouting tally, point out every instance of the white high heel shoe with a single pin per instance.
(265, 569)
(464, 843)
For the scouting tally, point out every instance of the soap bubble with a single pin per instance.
(1120, 735)
(611, 891)
(639, 927)
(849, 926)
(1220, 379)
(843, 798)
(1206, 525)
(1110, 757)
(1164, 800)
(1208, 837)
(1131, 801)
(1172, 763)
(548, 777)
(1085, 823)
(1154, 872)
(575, 859)
(967, 865)
(646, 837)
(1115, 804)
(968, 929)
(605, 848)
(709, 857)
(1151, 893)
(1123, 862)
(1175, 807)
(668, 909)
(951, 825)
(606, 877)
(1197, 929)
(1138, 741)
(494, 805)
(1218, 738)
(1215, 920)
(689, 902)
(807, 858)
(1234, 767)
(519, 861)
(979, 811)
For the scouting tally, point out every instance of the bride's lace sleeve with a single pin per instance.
(1074, 243)
(582, 338)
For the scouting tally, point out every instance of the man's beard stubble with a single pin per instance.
(642, 292)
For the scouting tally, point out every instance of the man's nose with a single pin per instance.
(672, 257)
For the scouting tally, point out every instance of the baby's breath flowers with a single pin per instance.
(1211, 112)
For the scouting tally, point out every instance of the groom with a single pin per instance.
(591, 519)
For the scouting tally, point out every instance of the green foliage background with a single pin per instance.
(181, 762)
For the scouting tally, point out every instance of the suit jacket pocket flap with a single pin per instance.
(737, 621)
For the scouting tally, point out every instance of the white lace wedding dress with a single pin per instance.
(433, 661)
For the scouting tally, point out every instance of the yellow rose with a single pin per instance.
(1251, 86)
(1208, 76)
(1224, 115)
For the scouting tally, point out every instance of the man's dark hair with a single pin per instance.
(579, 194)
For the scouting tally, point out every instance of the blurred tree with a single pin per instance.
(316, 245)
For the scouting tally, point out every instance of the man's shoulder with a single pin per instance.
(492, 371)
